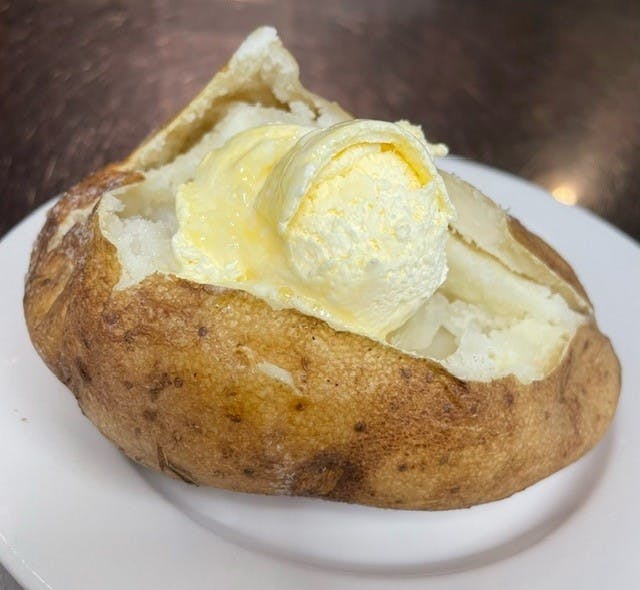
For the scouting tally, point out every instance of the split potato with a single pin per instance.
(501, 379)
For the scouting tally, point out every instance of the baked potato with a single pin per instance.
(215, 386)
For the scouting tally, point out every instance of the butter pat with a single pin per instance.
(347, 223)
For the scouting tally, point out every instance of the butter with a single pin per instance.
(346, 223)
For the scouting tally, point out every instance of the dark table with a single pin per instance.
(547, 90)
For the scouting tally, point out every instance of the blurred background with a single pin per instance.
(546, 90)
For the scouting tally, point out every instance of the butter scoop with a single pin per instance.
(347, 223)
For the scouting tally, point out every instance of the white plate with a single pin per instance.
(74, 513)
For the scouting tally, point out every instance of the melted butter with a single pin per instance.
(347, 223)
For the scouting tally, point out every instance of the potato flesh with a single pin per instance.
(483, 323)
(140, 219)
(486, 322)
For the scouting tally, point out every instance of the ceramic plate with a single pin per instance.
(75, 514)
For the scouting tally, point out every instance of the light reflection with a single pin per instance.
(565, 193)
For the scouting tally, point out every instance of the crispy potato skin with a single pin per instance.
(170, 372)
(546, 254)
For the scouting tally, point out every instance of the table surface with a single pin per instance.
(548, 91)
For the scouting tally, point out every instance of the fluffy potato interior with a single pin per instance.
(485, 322)
(140, 219)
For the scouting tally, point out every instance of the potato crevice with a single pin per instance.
(502, 311)
(488, 320)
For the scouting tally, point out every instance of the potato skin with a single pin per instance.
(169, 371)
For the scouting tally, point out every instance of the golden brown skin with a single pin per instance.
(167, 370)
